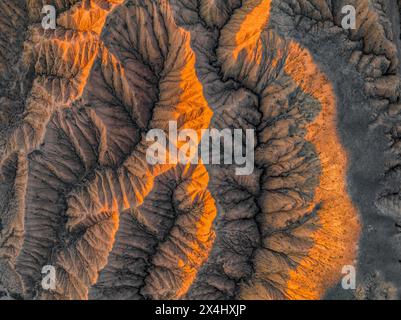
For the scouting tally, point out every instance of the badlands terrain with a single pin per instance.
(78, 194)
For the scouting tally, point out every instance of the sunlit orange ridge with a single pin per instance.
(190, 109)
(335, 241)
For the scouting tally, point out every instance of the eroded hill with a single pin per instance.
(77, 191)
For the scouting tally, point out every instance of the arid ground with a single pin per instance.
(78, 194)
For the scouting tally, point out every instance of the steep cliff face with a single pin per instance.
(76, 189)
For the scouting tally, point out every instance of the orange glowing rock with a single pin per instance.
(78, 192)
(335, 240)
